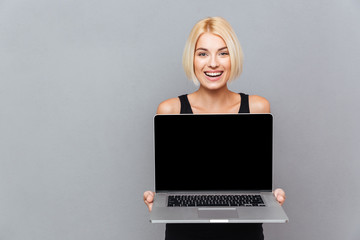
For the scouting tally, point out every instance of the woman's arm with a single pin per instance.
(170, 106)
(259, 104)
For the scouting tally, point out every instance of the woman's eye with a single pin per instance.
(202, 54)
(224, 53)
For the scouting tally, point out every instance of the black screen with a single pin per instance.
(213, 152)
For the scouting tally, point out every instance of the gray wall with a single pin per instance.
(80, 82)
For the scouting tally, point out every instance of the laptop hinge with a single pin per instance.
(212, 191)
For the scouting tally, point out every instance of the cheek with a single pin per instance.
(227, 64)
(198, 66)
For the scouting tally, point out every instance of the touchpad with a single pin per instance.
(217, 213)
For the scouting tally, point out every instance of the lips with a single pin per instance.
(213, 74)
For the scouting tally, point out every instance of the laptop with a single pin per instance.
(214, 168)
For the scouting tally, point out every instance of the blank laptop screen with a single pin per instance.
(213, 152)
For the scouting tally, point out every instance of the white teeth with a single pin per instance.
(215, 74)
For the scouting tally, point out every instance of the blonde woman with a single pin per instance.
(212, 58)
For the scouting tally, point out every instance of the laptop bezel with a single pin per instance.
(217, 191)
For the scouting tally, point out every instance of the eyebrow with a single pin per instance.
(204, 49)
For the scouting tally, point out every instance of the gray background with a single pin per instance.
(81, 81)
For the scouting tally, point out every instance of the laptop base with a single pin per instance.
(271, 213)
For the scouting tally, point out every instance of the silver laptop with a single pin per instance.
(214, 168)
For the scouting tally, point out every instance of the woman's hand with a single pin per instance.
(280, 195)
(149, 199)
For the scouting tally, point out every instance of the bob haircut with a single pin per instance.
(218, 26)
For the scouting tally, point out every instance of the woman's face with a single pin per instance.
(212, 61)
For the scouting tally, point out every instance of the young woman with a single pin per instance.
(213, 58)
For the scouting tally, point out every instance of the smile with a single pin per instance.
(213, 74)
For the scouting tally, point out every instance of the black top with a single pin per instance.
(186, 108)
(225, 231)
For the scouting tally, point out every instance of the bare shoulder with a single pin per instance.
(169, 106)
(259, 104)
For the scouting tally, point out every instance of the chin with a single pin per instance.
(213, 85)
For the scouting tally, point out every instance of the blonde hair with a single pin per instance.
(218, 26)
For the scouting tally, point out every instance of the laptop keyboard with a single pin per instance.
(215, 200)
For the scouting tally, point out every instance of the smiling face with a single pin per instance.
(212, 61)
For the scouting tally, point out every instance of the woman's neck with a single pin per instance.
(212, 100)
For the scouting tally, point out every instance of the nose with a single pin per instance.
(213, 62)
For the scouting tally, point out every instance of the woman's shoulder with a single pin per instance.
(169, 106)
(258, 104)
